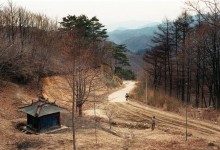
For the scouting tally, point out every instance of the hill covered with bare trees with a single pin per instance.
(34, 46)
(185, 61)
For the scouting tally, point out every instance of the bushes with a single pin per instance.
(164, 101)
(113, 82)
(138, 92)
(16, 72)
(156, 98)
(125, 74)
(28, 144)
(173, 105)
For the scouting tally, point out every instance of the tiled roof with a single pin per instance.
(41, 108)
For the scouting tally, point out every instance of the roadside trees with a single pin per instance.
(83, 40)
(209, 11)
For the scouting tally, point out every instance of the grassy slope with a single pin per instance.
(122, 135)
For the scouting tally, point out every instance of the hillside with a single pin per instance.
(134, 39)
(130, 124)
(138, 44)
(136, 61)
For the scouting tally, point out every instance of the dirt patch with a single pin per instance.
(97, 112)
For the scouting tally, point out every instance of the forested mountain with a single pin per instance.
(136, 61)
(185, 61)
(136, 40)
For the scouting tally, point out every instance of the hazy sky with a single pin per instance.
(111, 13)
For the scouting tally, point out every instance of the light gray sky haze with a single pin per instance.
(111, 13)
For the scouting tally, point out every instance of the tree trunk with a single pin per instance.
(80, 110)
(73, 116)
(177, 80)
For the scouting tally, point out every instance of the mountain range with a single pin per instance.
(136, 40)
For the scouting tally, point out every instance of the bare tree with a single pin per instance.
(209, 12)
(110, 113)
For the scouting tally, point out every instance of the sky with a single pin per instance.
(111, 13)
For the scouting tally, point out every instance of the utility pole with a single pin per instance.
(186, 114)
(146, 92)
(186, 120)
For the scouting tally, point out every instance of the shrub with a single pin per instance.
(112, 82)
(156, 98)
(125, 74)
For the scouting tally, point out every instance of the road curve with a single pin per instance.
(119, 96)
(134, 112)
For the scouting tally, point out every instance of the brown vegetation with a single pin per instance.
(130, 125)
(72, 66)
(184, 63)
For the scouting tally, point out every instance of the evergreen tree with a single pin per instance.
(120, 58)
(121, 61)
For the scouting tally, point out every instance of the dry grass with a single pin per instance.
(130, 129)
(164, 102)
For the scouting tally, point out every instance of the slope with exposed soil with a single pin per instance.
(130, 124)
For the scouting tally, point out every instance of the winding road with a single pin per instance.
(134, 112)
(130, 111)
(119, 96)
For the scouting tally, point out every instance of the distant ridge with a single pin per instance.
(130, 24)
(136, 40)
